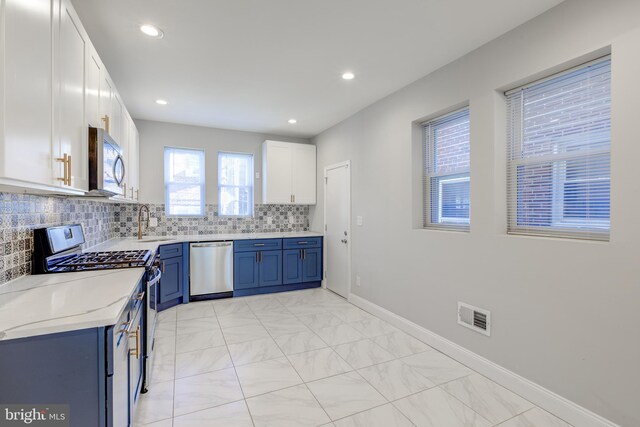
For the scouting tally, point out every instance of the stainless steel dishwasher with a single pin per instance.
(210, 270)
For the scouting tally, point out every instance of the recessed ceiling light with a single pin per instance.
(152, 31)
(348, 75)
(161, 102)
(293, 121)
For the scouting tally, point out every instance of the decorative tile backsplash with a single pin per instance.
(266, 218)
(21, 213)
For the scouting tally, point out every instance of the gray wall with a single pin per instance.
(565, 312)
(154, 136)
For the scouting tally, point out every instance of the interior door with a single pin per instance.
(337, 208)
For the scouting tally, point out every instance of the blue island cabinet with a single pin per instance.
(276, 265)
(97, 372)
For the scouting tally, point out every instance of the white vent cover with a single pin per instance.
(474, 318)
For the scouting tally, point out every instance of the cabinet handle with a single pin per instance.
(162, 268)
(137, 194)
(303, 243)
(124, 326)
(294, 198)
(69, 170)
(124, 189)
(304, 254)
(257, 257)
(65, 159)
(131, 192)
(136, 352)
(258, 244)
(105, 119)
(260, 256)
(300, 254)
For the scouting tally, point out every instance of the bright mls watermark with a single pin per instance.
(34, 415)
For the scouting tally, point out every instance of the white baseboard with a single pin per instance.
(546, 399)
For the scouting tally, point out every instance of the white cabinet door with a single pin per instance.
(70, 132)
(134, 161)
(25, 97)
(92, 88)
(277, 173)
(116, 126)
(304, 174)
(106, 95)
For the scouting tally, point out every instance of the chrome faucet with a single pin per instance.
(146, 208)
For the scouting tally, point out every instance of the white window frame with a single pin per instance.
(560, 226)
(168, 184)
(429, 161)
(446, 219)
(252, 186)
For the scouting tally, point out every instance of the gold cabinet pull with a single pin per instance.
(136, 351)
(124, 189)
(137, 194)
(131, 193)
(105, 119)
(66, 168)
(69, 170)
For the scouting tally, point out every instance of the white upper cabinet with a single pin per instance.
(289, 173)
(95, 70)
(304, 174)
(53, 85)
(69, 147)
(25, 98)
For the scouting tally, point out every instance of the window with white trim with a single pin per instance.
(235, 184)
(559, 146)
(446, 172)
(183, 182)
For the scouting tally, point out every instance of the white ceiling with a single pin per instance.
(254, 64)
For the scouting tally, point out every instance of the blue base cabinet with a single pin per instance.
(246, 270)
(276, 265)
(175, 271)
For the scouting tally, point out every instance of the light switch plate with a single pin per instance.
(359, 221)
(257, 175)
(153, 222)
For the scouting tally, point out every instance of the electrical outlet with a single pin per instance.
(257, 175)
(358, 282)
(153, 222)
(291, 219)
(359, 221)
(269, 220)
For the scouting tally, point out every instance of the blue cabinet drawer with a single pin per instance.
(301, 243)
(257, 245)
(170, 251)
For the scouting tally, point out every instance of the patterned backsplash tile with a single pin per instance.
(21, 213)
(266, 218)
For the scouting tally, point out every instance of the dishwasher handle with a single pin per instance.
(211, 245)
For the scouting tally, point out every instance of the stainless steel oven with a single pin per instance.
(154, 274)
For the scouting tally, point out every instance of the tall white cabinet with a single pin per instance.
(289, 173)
(53, 85)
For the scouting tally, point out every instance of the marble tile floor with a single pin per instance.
(309, 358)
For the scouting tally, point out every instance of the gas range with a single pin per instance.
(58, 250)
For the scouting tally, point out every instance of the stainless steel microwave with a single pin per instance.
(106, 164)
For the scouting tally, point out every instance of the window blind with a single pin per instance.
(559, 141)
(184, 182)
(235, 184)
(446, 171)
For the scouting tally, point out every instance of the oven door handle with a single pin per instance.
(155, 279)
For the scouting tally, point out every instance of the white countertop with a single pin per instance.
(152, 242)
(52, 303)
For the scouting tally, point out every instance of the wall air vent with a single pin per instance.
(474, 318)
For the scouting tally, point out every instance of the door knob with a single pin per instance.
(344, 240)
